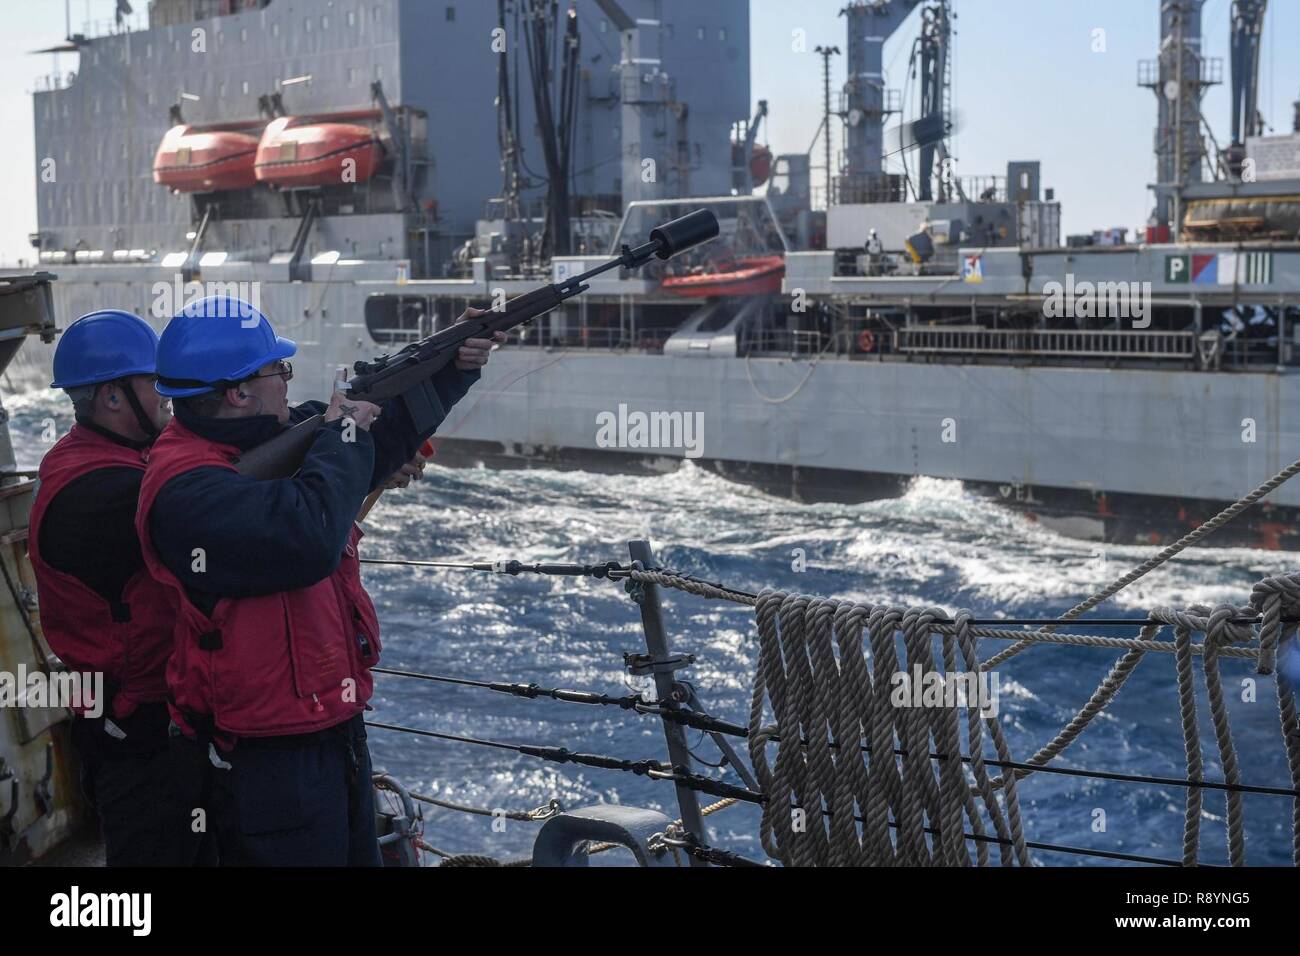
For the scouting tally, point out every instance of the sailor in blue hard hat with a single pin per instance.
(106, 362)
(220, 341)
(101, 611)
(276, 635)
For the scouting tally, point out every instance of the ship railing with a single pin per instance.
(891, 101)
(792, 342)
(1150, 73)
(1072, 343)
(602, 339)
(48, 82)
(984, 188)
(1242, 350)
(398, 335)
(129, 23)
(872, 187)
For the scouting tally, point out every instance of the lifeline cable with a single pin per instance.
(706, 722)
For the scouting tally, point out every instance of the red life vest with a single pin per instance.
(293, 662)
(128, 642)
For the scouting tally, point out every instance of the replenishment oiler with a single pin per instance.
(917, 324)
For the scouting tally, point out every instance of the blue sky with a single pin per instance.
(1027, 85)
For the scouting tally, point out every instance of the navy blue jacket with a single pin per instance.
(260, 537)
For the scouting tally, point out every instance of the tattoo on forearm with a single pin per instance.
(348, 411)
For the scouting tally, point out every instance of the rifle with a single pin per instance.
(406, 374)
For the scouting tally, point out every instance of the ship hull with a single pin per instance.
(1124, 455)
(1106, 518)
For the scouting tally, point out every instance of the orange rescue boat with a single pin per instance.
(193, 161)
(755, 275)
(296, 152)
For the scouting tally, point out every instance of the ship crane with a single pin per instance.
(933, 51)
(1247, 33)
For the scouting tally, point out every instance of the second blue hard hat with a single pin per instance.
(103, 346)
(215, 341)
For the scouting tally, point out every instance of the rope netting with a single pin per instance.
(860, 780)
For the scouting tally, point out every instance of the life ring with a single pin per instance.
(866, 341)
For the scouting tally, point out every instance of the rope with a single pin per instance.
(818, 697)
(813, 679)
(690, 585)
(749, 373)
(915, 795)
(1186, 541)
(681, 582)
(1219, 632)
(1191, 742)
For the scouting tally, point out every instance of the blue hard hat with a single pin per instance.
(103, 346)
(214, 341)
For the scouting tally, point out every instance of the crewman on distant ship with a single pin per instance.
(275, 635)
(875, 250)
(101, 611)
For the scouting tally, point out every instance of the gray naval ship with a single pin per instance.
(832, 343)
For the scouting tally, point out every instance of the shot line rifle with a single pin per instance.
(407, 374)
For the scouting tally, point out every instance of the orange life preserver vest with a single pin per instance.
(127, 641)
(292, 662)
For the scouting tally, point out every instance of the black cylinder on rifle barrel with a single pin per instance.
(681, 234)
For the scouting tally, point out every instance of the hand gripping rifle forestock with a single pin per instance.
(408, 373)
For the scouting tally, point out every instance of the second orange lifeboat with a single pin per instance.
(296, 152)
(193, 161)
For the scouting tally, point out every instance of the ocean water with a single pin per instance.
(936, 545)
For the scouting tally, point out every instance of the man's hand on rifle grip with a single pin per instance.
(363, 413)
(473, 353)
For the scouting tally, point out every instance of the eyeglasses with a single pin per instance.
(282, 368)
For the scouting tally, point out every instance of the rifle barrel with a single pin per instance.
(394, 375)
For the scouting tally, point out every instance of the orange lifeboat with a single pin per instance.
(192, 161)
(755, 275)
(296, 152)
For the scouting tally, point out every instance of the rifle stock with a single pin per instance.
(390, 376)
(281, 456)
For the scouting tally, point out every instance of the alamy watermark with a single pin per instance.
(936, 689)
(1098, 300)
(133, 911)
(636, 429)
(82, 692)
(243, 300)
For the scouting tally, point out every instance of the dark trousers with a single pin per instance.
(144, 797)
(296, 801)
